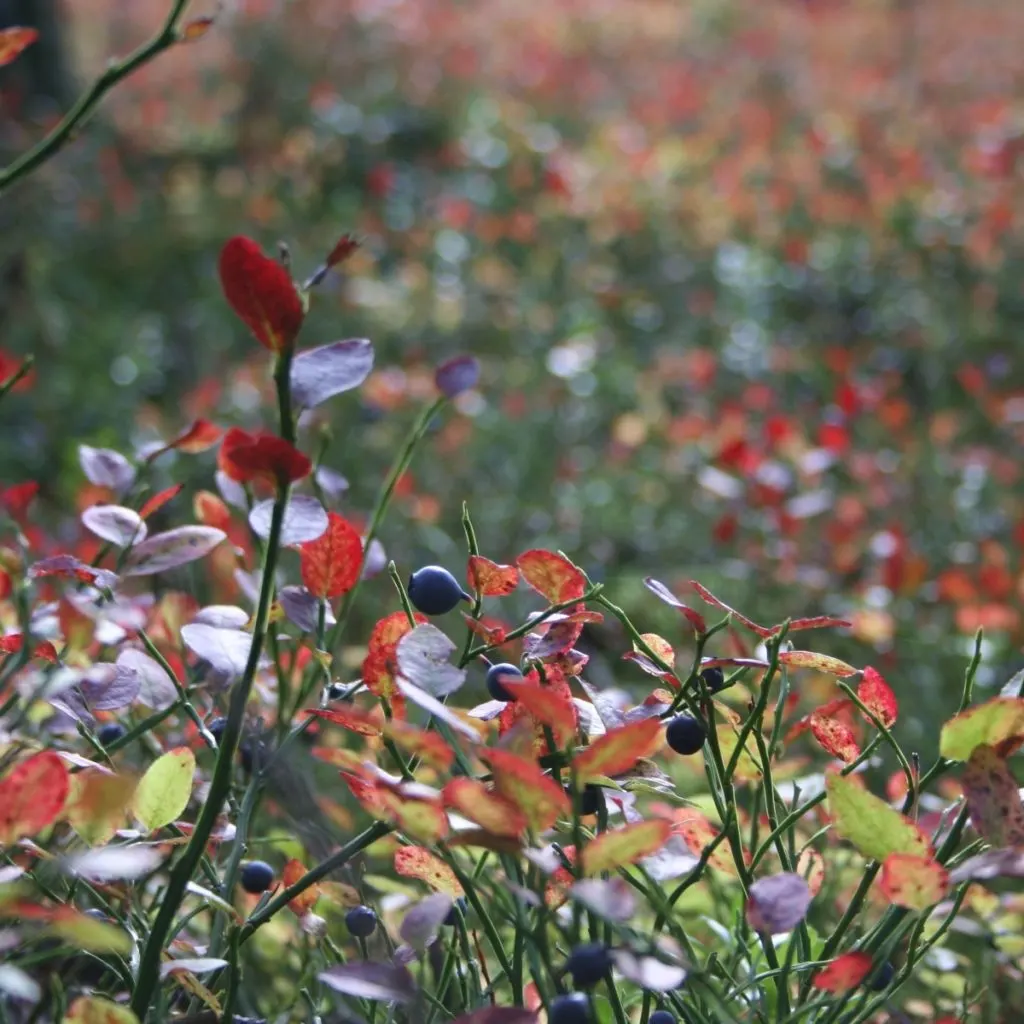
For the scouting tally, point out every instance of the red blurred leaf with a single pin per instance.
(810, 865)
(537, 795)
(913, 881)
(618, 750)
(199, 437)
(306, 900)
(877, 696)
(422, 819)
(844, 973)
(551, 575)
(835, 736)
(158, 500)
(13, 642)
(210, 510)
(490, 810)
(621, 846)
(17, 499)
(261, 292)
(993, 798)
(343, 248)
(430, 747)
(489, 579)
(13, 41)
(70, 568)
(817, 622)
(32, 795)
(417, 862)
(348, 716)
(196, 29)
(709, 598)
(246, 457)
(698, 832)
(331, 563)
(659, 590)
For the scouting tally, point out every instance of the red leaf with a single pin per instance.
(709, 598)
(261, 292)
(13, 41)
(381, 649)
(196, 29)
(32, 795)
(210, 510)
(552, 575)
(201, 436)
(245, 457)
(158, 500)
(331, 563)
(877, 696)
(695, 619)
(913, 881)
(13, 642)
(16, 499)
(844, 973)
(343, 248)
(349, 717)
(306, 900)
(817, 622)
(537, 795)
(70, 568)
(547, 707)
(417, 862)
(618, 749)
(835, 736)
(490, 810)
(489, 579)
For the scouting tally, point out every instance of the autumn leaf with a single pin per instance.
(698, 833)
(246, 457)
(913, 881)
(818, 662)
(349, 717)
(418, 862)
(489, 579)
(547, 707)
(835, 736)
(32, 796)
(873, 827)
(331, 564)
(307, 899)
(621, 846)
(844, 973)
(15, 40)
(537, 795)
(199, 437)
(992, 723)
(165, 789)
(709, 598)
(430, 747)
(552, 575)
(993, 798)
(158, 500)
(494, 812)
(97, 1010)
(876, 695)
(617, 750)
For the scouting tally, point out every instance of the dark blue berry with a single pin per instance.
(685, 735)
(435, 591)
(571, 1009)
(661, 1017)
(714, 678)
(257, 876)
(495, 675)
(590, 799)
(588, 964)
(883, 977)
(110, 733)
(216, 728)
(361, 921)
(459, 906)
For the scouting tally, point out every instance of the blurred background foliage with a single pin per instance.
(744, 276)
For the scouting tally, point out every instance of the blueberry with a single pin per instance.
(714, 678)
(361, 921)
(571, 1009)
(495, 675)
(588, 964)
(661, 1017)
(458, 906)
(336, 691)
(685, 735)
(883, 977)
(216, 728)
(435, 591)
(591, 799)
(110, 733)
(257, 876)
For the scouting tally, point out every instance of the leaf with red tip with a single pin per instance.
(16, 499)
(489, 579)
(709, 598)
(13, 41)
(547, 707)
(912, 881)
(261, 292)
(877, 696)
(844, 973)
(158, 500)
(537, 795)
(621, 846)
(818, 662)
(245, 457)
(815, 622)
(492, 811)
(381, 653)
(199, 437)
(994, 722)
(552, 575)
(698, 833)
(343, 248)
(70, 568)
(835, 736)
(418, 862)
(695, 619)
(348, 716)
(874, 828)
(44, 650)
(422, 819)
(306, 900)
(210, 510)
(617, 750)
(430, 747)
(993, 798)
(32, 795)
(330, 564)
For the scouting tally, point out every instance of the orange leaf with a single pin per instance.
(199, 437)
(418, 862)
(912, 881)
(810, 865)
(429, 747)
(551, 575)
(618, 750)
(349, 717)
(697, 832)
(13, 41)
(491, 810)
(547, 707)
(158, 500)
(835, 736)
(423, 819)
(993, 798)
(710, 599)
(537, 795)
(196, 29)
(626, 845)
(877, 696)
(818, 662)
(32, 795)
(210, 510)
(331, 563)
(844, 973)
(489, 579)
(306, 900)
(380, 658)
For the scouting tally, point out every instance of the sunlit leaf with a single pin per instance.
(418, 862)
(913, 881)
(552, 575)
(695, 619)
(992, 723)
(307, 899)
(873, 827)
(547, 707)
(810, 865)
(626, 845)
(97, 804)
(489, 579)
(32, 796)
(697, 832)
(709, 598)
(430, 747)
(491, 810)
(818, 662)
(157, 501)
(305, 519)
(618, 750)
(422, 657)
(877, 696)
(537, 795)
(97, 1010)
(835, 736)
(164, 791)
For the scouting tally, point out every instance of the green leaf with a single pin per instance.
(86, 932)
(999, 719)
(873, 827)
(164, 791)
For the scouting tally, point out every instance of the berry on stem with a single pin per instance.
(110, 733)
(685, 735)
(661, 1017)
(459, 906)
(714, 678)
(883, 977)
(216, 728)
(433, 590)
(361, 921)
(496, 674)
(591, 799)
(588, 964)
(257, 876)
(571, 1009)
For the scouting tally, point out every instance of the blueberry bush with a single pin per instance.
(245, 774)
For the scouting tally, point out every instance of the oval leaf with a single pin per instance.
(97, 1010)
(171, 549)
(32, 795)
(552, 575)
(818, 662)
(106, 468)
(914, 882)
(778, 903)
(164, 791)
(227, 650)
(873, 827)
(330, 564)
(999, 719)
(422, 656)
(322, 373)
(621, 846)
(115, 523)
(304, 520)
(366, 980)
